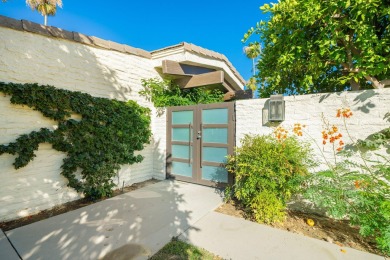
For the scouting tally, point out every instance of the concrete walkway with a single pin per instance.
(137, 224)
(236, 238)
(6, 249)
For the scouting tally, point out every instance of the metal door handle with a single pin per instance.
(201, 144)
(189, 144)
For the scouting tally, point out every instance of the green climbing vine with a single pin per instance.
(107, 135)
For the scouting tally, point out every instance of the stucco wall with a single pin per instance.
(370, 109)
(30, 58)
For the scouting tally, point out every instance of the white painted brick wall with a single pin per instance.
(369, 109)
(160, 127)
(32, 58)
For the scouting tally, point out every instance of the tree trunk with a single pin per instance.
(354, 85)
(253, 66)
(45, 22)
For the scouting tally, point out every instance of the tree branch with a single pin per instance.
(376, 83)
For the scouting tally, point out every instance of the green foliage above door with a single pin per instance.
(167, 94)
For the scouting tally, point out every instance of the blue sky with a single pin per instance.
(150, 25)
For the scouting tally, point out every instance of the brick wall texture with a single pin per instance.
(33, 58)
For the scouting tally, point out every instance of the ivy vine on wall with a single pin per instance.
(107, 135)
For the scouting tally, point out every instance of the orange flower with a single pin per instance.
(298, 129)
(338, 113)
(339, 149)
(357, 184)
(280, 133)
(324, 142)
(344, 112)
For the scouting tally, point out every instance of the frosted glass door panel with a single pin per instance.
(212, 173)
(215, 135)
(181, 134)
(214, 154)
(183, 169)
(215, 116)
(181, 151)
(182, 117)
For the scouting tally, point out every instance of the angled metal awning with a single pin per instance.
(192, 76)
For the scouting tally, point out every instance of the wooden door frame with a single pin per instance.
(231, 126)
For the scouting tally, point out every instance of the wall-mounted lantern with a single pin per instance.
(276, 108)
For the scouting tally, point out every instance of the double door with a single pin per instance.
(198, 140)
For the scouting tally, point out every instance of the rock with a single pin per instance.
(328, 239)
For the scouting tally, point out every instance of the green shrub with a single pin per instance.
(267, 173)
(166, 94)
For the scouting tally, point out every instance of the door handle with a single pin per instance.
(201, 144)
(189, 144)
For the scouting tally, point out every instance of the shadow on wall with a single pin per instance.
(133, 224)
(30, 58)
(362, 98)
(359, 99)
(159, 160)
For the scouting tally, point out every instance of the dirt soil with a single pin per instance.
(8, 225)
(338, 232)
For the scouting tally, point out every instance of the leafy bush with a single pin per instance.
(358, 191)
(106, 136)
(165, 94)
(267, 173)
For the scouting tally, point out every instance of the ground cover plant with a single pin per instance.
(177, 249)
(107, 135)
(268, 170)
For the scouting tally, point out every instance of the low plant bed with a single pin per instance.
(338, 232)
(179, 250)
(69, 206)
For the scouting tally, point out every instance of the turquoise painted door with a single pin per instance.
(198, 140)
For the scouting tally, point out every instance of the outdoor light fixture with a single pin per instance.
(276, 108)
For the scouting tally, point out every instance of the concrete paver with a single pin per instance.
(6, 249)
(236, 238)
(138, 223)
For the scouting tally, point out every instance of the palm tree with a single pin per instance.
(45, 7)
(252, 51)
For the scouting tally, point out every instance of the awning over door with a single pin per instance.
(190, 66)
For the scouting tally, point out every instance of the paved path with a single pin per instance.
(139, 223)
(236, 238)
(6, 250)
